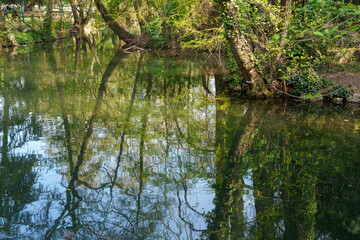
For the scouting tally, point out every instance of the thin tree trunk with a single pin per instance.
(91, 46)
(78, 43)
(4, 40)
(256, 87)
(81, 17)
(2, 29)
(77, 20)
(48, 19)
(287, 21)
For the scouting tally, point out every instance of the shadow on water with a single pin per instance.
(141, 149)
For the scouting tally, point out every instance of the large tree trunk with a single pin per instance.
(127, 37)
(256, 87)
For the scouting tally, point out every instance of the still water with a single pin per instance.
(106, 145)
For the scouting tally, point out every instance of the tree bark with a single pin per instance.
(5, 41)
(48, 19)
(127, 37)
(77, 20)
(256, 87)
(2, 29)
(286, 4)
(81, 17)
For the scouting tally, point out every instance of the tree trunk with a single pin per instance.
(48, 19)
(5, 41)
(2, 29)
(77, 20)
(3, 35)
(256, 87)
(127, 37)
(81, 17)
(286, 4)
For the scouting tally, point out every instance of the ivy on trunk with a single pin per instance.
(256, 87)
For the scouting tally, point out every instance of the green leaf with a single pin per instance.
(309, 96)
(353, 28)
(333, 29)
(276, 37)
(319, 34)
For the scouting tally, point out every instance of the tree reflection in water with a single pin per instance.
(291, 166)
(16, 175)
(141, 150)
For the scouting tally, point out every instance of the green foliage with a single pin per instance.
(186, 24)
(328, 34)
(300, 75)
(29, 37)
(3, 34)
(58, 25)
(314, 39)
(337, 91)
(323, 26)
(234, 78)
(155, 33)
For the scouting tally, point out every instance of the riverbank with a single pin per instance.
(350, 80)
(348, 77)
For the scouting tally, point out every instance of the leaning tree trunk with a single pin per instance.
(127, 37)
(256, 87)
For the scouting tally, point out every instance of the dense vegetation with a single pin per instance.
(273, 47)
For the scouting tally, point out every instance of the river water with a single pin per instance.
(107, 145)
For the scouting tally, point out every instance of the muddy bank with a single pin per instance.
(349, 80)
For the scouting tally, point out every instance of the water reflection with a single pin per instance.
(140, 149)
(275, 176)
